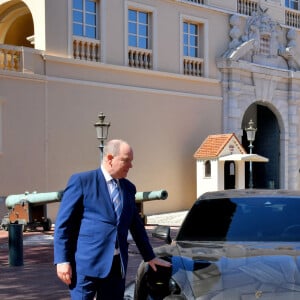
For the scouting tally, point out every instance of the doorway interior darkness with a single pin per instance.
(267, 143)
(229, 175)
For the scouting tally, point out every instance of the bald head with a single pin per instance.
(117, 158)
(113, 147)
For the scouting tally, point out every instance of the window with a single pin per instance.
(193, 37)
(190, 40)
(138, 29)
(294, 4)
(85, 18)
(140, 37)
(207, 169)
(243, 218)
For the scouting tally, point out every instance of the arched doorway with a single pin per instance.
(16, 24)
(267, 143)
(229, 175)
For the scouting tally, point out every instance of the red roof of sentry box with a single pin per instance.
(214, 144)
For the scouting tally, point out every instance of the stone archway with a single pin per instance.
(16, 24)
(253, 72)
(267, 144)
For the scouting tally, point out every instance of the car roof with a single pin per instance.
(249, 193)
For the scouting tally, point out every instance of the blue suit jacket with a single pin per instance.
(86, 227)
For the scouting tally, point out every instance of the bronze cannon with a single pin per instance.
(30, 209)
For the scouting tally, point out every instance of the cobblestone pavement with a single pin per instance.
(36, 279)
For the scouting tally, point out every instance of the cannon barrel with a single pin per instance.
(44, 198)
(33, 198)
(30, 209)
(152, 195)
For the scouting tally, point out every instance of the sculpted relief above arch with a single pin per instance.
(261, 67)
(261, 40)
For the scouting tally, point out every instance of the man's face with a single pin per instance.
(120, 164)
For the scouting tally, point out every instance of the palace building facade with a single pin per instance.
(166, 74)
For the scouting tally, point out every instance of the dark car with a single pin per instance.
(235, 244)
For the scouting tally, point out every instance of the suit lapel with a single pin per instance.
(105, 193)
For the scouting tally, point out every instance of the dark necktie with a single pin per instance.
(116, 199)
(118, 205)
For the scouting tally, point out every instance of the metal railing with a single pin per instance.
(10, 58)
(246, 7)
(86, 49)
(193, 66)
(140, 58)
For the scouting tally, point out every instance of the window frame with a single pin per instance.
(189, 35)
(152, 28)
(207, 169)
(290, 4)
(84, 23)
(138, 24)
(203, 38)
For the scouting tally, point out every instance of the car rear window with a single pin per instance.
(243, 219)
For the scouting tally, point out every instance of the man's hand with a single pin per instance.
(64, 272)
(158, 262)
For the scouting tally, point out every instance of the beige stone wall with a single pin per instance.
(48, 109)
(228, 4)
(58, 27)
(22, 159)
(52, 135)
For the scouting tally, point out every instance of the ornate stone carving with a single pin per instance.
(263, 41)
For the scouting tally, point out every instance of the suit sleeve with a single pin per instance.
(68, 221)
(140, 235)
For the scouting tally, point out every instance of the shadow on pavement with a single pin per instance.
(36, 279)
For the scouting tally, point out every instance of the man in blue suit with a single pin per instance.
(90, 239)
